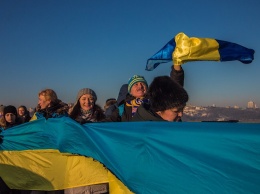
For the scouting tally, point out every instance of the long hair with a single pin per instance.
(75, 110)
(3, 122)
(26, 117)
(97, 110)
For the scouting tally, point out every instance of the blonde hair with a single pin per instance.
(2, 122)
(49, 94)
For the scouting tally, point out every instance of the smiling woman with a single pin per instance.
(85, 109)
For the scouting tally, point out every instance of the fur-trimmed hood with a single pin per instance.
(55, 110)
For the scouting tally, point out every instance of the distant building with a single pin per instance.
(251, 104)
(199, 108)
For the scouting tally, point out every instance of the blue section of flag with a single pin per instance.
(154, 157)
(162, 56)
(229, 51)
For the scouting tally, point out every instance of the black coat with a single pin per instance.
(145, 114)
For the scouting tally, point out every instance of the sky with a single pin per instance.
(67, 45)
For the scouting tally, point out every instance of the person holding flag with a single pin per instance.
(136, 95)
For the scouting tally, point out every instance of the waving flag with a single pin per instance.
(142, 157)
(183, 49)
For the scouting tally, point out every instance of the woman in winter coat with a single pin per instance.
(9, 118)
(49, 106)
(85, 110)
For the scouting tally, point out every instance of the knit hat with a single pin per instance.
(133, 80)
(10, 109)
(164, 93)
(86, 91)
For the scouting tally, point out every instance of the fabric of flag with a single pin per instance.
(133, 157)
(183, 49)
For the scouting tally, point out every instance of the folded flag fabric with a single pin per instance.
(183, 49)
(138, 157)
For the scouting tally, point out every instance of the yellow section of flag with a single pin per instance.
(194, 49)
(52, 170)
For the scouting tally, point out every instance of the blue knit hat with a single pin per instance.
(133, 80)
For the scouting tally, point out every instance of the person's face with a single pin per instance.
(86, 102)
(10, 117)
(43, 102)
(173, 114)
(21, 111)
(138, 90)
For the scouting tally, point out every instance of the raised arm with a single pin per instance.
(177, 74)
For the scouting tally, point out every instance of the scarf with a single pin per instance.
(135, 103)
(88, 115)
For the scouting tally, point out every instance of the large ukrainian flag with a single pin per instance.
(141, 157)
(183, 49)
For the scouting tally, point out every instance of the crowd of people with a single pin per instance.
(163, 100)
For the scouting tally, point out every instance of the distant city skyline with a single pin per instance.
(250, 104)
(221, 114)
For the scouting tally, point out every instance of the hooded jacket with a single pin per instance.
(58, 109)
(114, 112)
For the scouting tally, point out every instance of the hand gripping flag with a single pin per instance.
(183, 49)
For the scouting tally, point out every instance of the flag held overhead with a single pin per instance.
(183, 49)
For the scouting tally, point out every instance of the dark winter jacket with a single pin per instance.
(25, 118)
(98, 116)
(177, 76)
(56, 110)
(145, 114)
(114, 112)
